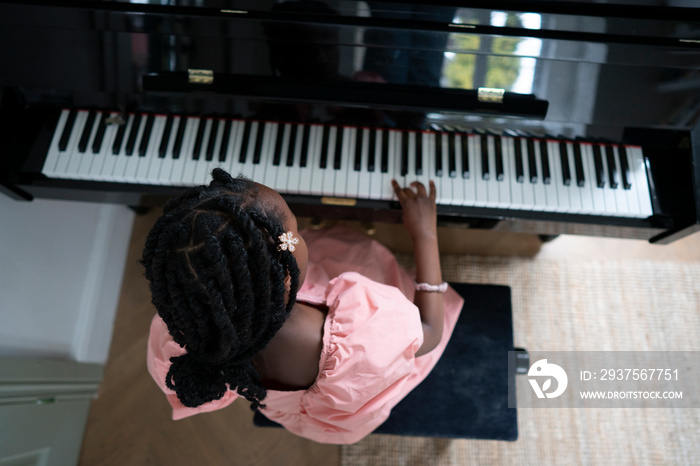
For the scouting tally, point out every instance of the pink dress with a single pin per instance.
(370, 337)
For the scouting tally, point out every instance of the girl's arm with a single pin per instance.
(420, 220)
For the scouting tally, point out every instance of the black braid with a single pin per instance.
(217, 281)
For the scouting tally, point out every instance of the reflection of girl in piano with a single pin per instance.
(324, 335)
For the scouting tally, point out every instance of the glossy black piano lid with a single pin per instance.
(634, 65)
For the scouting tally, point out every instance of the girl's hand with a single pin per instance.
(419, 209)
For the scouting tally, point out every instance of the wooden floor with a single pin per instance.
(130, 423)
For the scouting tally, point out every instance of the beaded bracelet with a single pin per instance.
(441, 288)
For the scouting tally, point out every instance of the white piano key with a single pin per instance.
(190, 164)
(202, 166)
(294, 172)
(455, 181)
(428, 159)
(539, 189)
(477, 171)
(620, 193)
(352, 184)
(633, 206)
(505, 200)
(89, 158)
(328, 173)
(528, 188)
(54, 154)
(275, 174)
(386, 189)
(166, 170)
(312, 183)
(149, 169)
(589, 179)
(233, 150)
(377, 180)
(639, 180)
(260, 168)
(516, 189)
(596, 193)
(70, 159)
(247, 168)
(340, 183)
(105, 157)
(550, 189)
(611, 207)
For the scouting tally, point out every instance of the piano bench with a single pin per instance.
(466, 394)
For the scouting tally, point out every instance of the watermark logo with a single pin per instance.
(543, 369)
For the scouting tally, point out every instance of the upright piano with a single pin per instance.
(545, 116)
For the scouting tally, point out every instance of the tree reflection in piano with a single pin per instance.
(324, 337)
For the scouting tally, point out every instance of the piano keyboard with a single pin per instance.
(475, 170)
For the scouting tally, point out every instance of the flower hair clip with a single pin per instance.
(287, 241)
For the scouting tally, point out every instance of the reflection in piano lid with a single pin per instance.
(327, 101)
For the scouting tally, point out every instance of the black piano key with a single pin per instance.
(323, 162)
(485, 169)
(197, 149)
(67, 129)
(519, 167)
(451, 155)
(438, 155)
(419, 153)
(532, 160)
(99, 136)
(304, 145)
(384, 150)
(143, 147)
(247, 129)
(225, 138)
(279, 141)
(165, 139)
(612, 167)
(179, 137)
(87, 130)
(565, 171)
(578, 163)
(404, 153)
(117, 146)
(371, 157)
(500, 174)
(357, 165)
(598, 162)
(211, 144)
(257, 150)
(625, 168)
(465, 156)
(292, 144)
(544, 155)
(337, 160)
(131, 140)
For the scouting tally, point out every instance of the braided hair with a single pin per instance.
(217, 280)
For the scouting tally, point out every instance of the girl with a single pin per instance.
(321, 330)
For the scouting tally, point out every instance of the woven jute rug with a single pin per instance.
(575, 306)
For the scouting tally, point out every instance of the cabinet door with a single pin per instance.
(43, 410)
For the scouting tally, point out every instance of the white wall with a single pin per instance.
(61, 268)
